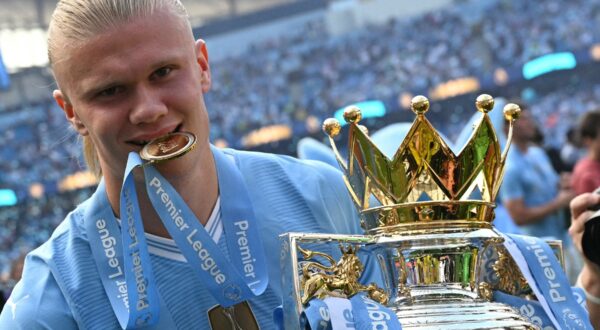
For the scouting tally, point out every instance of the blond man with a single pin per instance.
(128, 72)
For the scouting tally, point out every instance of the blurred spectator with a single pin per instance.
(571, 152)
(533, 193)
(27, 225)
(7, 283)
(586, 176)
(16, 270)
(531, 189)
(553, 153)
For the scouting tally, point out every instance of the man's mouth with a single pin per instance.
(141, 143)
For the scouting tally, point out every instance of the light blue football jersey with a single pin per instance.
(61, 287)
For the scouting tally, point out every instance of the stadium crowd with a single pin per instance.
(38, 151)
(306, 74)
(285, 80)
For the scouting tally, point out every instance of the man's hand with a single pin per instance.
(564, 197)
(565, 180)
(589, 278)
(580, 214)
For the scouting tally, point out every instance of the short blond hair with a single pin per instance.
(76, 21)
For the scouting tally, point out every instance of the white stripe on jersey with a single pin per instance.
(166, 247)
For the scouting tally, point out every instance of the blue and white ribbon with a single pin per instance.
(316, 315)
(358, 312)
(143, 300)
(371, 315)
(105, 240)
(544, 274)
(531, 309)
(122, 254)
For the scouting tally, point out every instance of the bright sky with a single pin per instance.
(23, 48)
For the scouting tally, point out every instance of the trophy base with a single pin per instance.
(461, 314)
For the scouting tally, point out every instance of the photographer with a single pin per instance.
(589, 278)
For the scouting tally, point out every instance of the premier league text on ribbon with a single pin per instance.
(208, 263)
(108, 244)
(140, 279)
(549, 273)
(242, 240)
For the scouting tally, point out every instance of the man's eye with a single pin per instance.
(162, 72)
(111, 91)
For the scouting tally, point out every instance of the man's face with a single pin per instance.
(138, 81)
(593, 144)
(524, 127)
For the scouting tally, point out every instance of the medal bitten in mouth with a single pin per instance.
(144, 142)
(169, 146)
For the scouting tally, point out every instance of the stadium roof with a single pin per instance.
(36, 13)
(23, 24)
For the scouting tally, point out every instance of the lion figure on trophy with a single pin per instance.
(340, 278)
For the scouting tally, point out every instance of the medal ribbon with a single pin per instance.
(127, 264)
(138, 270)
(229, 282)
(103, 234)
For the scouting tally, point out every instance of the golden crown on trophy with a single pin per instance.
(428, 216)
(425, 187)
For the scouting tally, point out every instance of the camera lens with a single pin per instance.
(590, 242)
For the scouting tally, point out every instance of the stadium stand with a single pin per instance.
(307, 75)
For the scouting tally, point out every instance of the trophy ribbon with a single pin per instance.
(228, 282)
(316, 315)
(542, 270)
(530, 308)
(340, 313)
(368, 314)
(533, 310)
(358, 312)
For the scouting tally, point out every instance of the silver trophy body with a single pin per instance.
(437, 260)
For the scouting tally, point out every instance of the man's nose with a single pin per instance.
(148, 107)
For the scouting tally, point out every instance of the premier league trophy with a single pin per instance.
(427, 214)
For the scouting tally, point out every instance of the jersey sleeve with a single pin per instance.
(347, 221)
(511, 186)
(37, 301)
(339, 213)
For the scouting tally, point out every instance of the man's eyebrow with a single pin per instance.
(92, 89)
(171, 60)
(164, 62)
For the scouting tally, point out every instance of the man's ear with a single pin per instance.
(69, 112)
(202, 58)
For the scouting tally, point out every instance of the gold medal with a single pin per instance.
(168, 147)
(236, 317)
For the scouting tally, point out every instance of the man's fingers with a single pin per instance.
(578, 224)
(582, 202)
